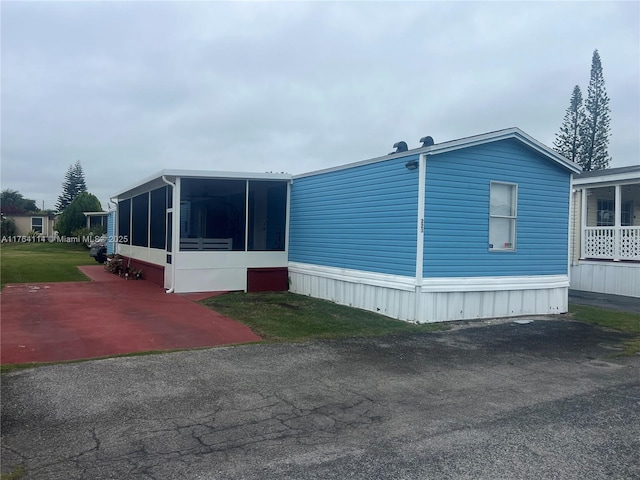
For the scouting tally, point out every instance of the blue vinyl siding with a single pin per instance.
(361, 218)
(457, 212)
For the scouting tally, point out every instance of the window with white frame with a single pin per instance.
(606, 213)
(36, 224)
(503, 214)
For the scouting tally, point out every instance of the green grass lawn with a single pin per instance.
(287, 317)
(42, 262)
(623, 321)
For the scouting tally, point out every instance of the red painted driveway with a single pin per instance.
(45, 322)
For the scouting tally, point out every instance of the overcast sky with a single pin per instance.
(130, 88)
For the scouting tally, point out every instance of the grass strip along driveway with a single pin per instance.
(623, 321)
(42, 262)
(288, 317)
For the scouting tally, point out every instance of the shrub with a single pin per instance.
(8, 227)
(72, 218)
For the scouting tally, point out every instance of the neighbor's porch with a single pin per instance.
(611, 223)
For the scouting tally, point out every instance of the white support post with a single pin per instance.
(617, 231)
(422, 180)
(246, 216)
(583, 223)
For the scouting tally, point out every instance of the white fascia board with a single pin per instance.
(505, 134)
(140, 183)
(408, 153)
(467, 142)
(461, 143)
(605, 180)
(487, 284)
(231, 175)
(204, 174)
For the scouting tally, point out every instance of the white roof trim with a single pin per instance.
(204, 174)
(616, 178)
(393, 156)
(466, 142)
(86, 214)
(507, 133)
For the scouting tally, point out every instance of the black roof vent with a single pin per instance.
(427, 141)
(400, 147)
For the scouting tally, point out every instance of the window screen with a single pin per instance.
(503, 216)
(140, 220)
(124, 219)
(267, 215)
(158, 230)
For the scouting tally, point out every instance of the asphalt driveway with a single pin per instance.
(486, 400)
(620, 303)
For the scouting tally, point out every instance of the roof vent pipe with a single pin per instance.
(427, 141)
(400, 147)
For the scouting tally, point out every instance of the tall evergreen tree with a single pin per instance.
(567, 142)
(596, 131)
(72, 186)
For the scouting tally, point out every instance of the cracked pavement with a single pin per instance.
(490, 400)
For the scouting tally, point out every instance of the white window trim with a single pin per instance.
(510, 217)
(41, 226)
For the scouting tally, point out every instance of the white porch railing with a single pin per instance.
(612, 243)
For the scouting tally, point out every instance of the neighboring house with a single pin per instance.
(96, 219)
(470, 228)
(193, 231)
(106, 221)
(39, 222)
(605, 226)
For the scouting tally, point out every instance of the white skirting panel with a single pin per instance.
(441, 306)
(616, 278)
(388, 295)
(439, 299)
(210, 280)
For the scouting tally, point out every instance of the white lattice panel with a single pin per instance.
(630, 243)
(599, 243)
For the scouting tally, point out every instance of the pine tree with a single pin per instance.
(567, 142)
(72, 186)
(596, 131)
(73, 217)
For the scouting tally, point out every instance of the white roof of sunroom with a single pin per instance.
(172, 174)
(467, 142)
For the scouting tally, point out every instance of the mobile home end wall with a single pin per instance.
(354, 236)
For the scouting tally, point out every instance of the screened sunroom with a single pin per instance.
(194, 231)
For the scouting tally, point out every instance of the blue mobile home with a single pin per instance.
(471, 228)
